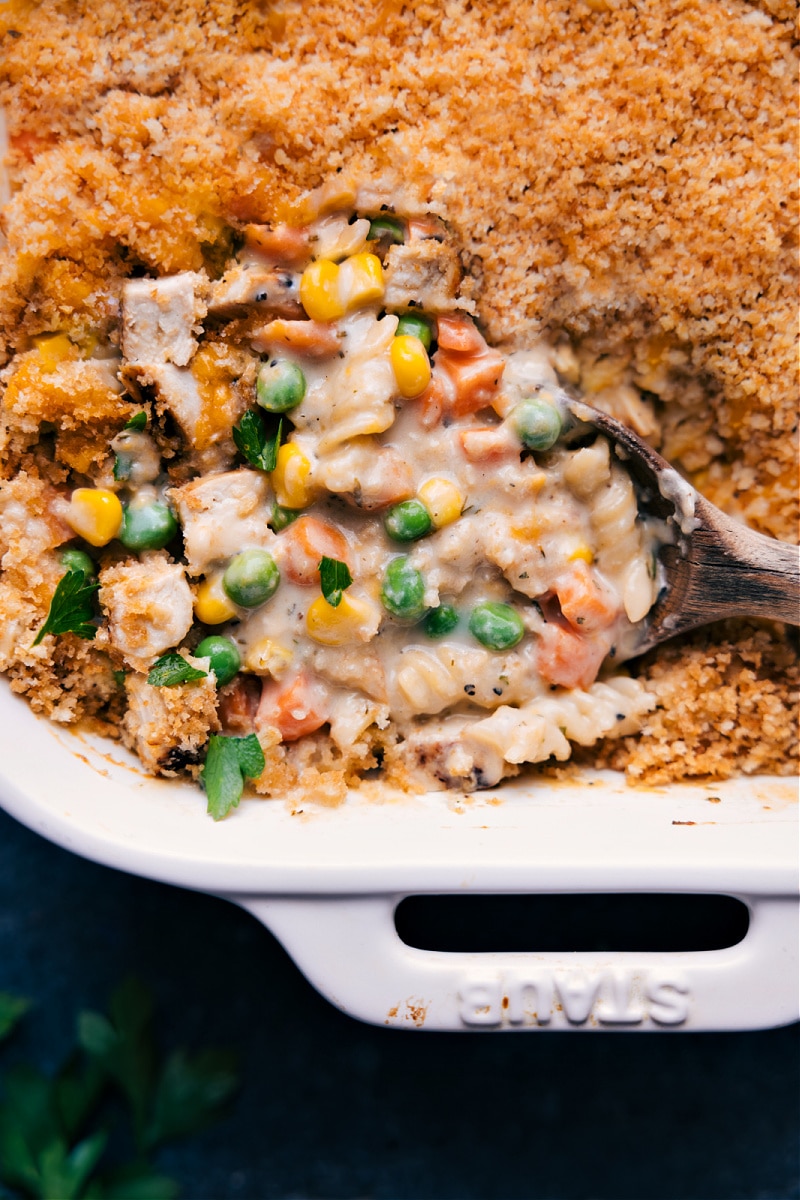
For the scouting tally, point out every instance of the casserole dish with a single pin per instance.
(326, 882)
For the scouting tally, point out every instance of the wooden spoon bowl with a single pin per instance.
(717, 567)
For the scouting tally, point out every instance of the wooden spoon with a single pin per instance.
(717, 567)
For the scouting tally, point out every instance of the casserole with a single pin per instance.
(326, 882)
(590, 836)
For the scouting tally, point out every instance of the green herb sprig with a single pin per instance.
(228, 761)
(172, 669)
(334, 578)
(258, 446)
(72, 608)
(54, 1129)
(138, 422)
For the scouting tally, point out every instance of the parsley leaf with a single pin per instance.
(334, 577)
(253, 441)
(122, 1045)
(71, 609)
(172, 669)
(12, 1008)
(189, 1093)
(55, 1127)
(228, 761)
(138, 421)
(123, 467)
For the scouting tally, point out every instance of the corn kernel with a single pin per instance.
(268, 657)
(353, 620)
(535, 482)
(443, 501)
(212, 605)
(335, 195)
(290, 477)
(54, 348)
(360, 280)
(581, 553)
(319, 291)
(530, 532)
(411, 365)
(95, 514)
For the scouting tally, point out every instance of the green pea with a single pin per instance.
(386, 229)
(407, 521)
(251, 578)
(440, 621)
(225, 659)
(497, 626)
(73, 559)
(403, 591)
(283, 517)
(538, 424)
(415, 325)
(147, 526)
(280, 385)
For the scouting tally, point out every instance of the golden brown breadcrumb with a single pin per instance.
(722, 707)
(622, 177)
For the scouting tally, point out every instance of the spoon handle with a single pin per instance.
(729, 570)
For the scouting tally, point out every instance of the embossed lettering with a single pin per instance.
(614, 996)
(577, 993)
(479, 1000)
(530, 997)
(618, 1005)
(668, 997)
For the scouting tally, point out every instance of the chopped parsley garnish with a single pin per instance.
(71, 609)
(123, 466)
(172, 669)
(138, 421)
(228, 761)
(259, 447)
(334, 577)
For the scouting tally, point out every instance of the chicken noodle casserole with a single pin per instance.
(335, 516)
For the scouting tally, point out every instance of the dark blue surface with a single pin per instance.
(332, 1108)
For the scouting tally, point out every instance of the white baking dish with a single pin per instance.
(327, 881)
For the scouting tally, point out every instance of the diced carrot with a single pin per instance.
(283, 245)
(433, 402)
(238, 704)
(459, 334)
(304, 543)
(315, 339)
(568, 659)
(489, 444)
(294, 708)
(585, 600)
(474, 378)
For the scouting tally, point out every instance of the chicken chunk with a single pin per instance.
(222, 515)
(422, 274)
(159, 319)
(168, 727)
(204, 409)
(435, 756)
(253, 285)
(366, 474)
(149, 606)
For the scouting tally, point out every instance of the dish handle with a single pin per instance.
(349, 949)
